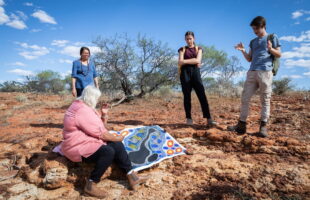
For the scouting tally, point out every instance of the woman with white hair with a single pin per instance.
(86, 139)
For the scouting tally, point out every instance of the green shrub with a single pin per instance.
(21, 98)
(282, 86)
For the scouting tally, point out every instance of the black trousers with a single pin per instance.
(191, 78)
(104, 156)
(79, 92)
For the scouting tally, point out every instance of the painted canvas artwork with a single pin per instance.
(148, 145)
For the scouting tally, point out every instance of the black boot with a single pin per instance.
(240, 128)
(263, 130)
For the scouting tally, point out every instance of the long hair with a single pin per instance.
(190, 33)
(90, 96)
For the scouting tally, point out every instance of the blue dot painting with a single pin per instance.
(148, 145)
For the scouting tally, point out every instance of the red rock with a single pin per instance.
(265, 141)
(292, 142)
(214, 135)
(200, 133)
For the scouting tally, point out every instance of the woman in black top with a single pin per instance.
(189, 67)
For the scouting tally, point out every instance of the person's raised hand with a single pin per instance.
(240, 47)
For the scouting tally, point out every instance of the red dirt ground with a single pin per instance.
(223, 165)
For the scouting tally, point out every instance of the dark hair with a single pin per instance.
(84, 48)
(189, 33)
(258, 21)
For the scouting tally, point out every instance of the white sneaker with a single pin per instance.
(189, 121)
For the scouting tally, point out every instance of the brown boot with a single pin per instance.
(92, 190)
(135, 180)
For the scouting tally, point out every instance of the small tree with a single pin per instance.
(12, 86)
(156, 66)
(209, 82)
(67, 81)
(115, 63)
(217, 62)
(135, 68)
(46, 81)
(230, 69)
(212, 59)
(282, 86)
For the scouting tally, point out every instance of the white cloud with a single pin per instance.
(307, 73)
(1, 2)
(35, 30)
(18, 64)
(291, 76)
(3, 17)
(295, 76)
(44, 17)
(79, 43)
(297, 63)
(15, 22)
(21, 72)
(65, 61)
(59, 43)
(71, 51)
(28, 4)
(30, 55)
(301, 53)
(63, 75)
(297, 14)
(12, 21)
(27, 46)
(308, 19)
(305, 36)
(94, 49)
(74, 51)
(298, 52)
(18, 24)
(32, 51)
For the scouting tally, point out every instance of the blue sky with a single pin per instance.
(37, 35)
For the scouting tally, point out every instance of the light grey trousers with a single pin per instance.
(255, 80)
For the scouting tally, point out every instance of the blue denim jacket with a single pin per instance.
(84, 74)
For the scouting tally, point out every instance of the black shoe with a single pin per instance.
(211, 122)
(189, 121)
(240, 128)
